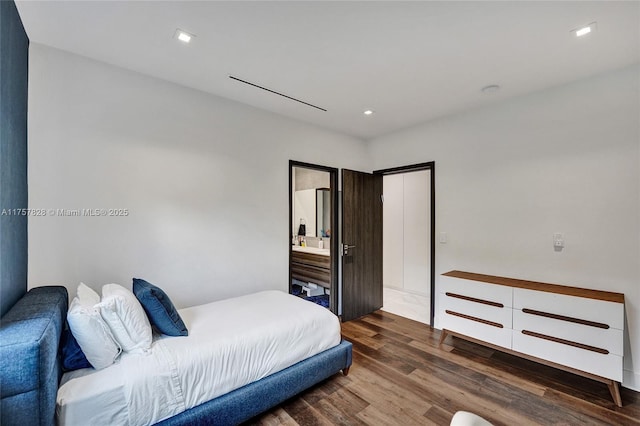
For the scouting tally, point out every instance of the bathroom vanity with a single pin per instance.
(311, 265)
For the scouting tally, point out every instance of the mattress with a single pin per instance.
(231, 343)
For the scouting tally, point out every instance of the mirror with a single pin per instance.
(304, 212)
(323, 212)
(312, 208)
(311, 202)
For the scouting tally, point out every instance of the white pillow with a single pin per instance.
(92, 334)
(126, 318)
(87, 296)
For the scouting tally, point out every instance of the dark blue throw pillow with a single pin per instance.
(161, 312)
(72, 356)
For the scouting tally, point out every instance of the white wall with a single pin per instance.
(310, 178)
(510, 175)
(205, 180)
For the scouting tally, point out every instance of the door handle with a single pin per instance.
(346, 248)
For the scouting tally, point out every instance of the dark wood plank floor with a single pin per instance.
(400, 376)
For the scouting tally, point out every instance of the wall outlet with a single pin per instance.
(558, 241)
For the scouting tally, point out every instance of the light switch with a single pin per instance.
(443, 238)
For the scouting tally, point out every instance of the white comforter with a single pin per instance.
(231, 343)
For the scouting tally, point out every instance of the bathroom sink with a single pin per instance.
(314, 250)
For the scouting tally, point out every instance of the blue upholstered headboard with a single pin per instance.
(30, 370)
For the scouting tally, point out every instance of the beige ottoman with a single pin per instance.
(464, 418)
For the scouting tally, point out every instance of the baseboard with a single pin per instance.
(631, 380)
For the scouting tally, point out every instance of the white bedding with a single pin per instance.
(231, 343)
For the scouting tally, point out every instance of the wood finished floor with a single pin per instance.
(400, 376)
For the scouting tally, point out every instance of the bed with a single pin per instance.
(240, 388)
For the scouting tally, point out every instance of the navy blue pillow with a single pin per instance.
(161, 312)
(72, 356)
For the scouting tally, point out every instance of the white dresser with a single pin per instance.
(570, 328)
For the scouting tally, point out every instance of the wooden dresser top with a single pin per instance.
(533, 285)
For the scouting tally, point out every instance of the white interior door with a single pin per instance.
(393, 232)
(417, 225)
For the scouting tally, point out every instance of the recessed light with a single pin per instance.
(183, 36)
(369, 112)
(492, 88)
(582, 31)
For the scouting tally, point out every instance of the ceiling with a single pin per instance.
(410, 62)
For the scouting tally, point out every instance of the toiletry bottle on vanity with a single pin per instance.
(320, 243)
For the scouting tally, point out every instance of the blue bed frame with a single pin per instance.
(30, 370)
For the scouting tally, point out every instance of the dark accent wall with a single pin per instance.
(14, 62)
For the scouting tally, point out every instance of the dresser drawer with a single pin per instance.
(605, 365)
(487, 292)
(500, 336)
(476, 308)
(607, 339)
(601, 311)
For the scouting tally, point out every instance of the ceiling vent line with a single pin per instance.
(277, 93)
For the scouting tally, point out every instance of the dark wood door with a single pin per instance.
(362, 243)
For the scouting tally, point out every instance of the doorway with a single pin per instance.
(409, 241)
(313, 257)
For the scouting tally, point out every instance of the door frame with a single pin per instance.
(431, 165)
(333, 249)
